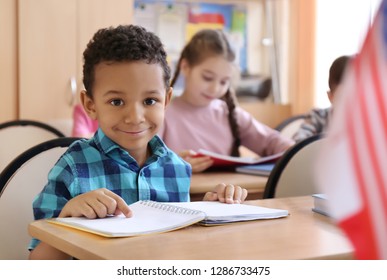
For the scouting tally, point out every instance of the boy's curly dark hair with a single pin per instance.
(123, 43)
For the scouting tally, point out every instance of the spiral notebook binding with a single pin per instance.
(169, 208)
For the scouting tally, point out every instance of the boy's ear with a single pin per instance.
(168, 96)
(330, 96)
(88, 105)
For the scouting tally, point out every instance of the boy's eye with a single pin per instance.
(149, 101)
(116, 102)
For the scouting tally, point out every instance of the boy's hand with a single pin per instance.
(98, 203)
(227, 194)
(198, 164)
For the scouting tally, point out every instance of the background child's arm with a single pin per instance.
(198, 164)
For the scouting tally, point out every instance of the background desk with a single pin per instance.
(302, 235)
(205, 182)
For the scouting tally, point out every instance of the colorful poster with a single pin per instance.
(176, 23)
(230, 18)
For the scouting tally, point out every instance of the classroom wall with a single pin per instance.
(8, 58)
(301, 55)
(341, 26)
(298, 90)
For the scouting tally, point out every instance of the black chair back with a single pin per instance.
(20, 182)
(293, 172)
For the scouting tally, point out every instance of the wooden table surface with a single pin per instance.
(304, 234)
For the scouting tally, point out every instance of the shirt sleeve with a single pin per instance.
(51, 200)
(258, 137)
(314, 123)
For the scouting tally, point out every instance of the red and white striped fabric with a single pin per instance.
(352, 167)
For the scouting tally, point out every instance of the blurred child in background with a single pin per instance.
(83, 125)
(317, 120)
(206, 115)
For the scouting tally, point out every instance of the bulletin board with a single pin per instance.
(175, 22)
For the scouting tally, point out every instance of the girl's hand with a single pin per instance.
(98, 203)
(226, 194)
(198, 164)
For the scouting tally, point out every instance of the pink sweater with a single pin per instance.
(190, 127)
(82, 124)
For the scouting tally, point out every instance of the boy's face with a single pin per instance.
(129, 100)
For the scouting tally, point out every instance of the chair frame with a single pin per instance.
(17, 193)
(14, 165)
(32, 123)
(281, 164)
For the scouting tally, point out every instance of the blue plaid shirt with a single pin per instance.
(100, 163)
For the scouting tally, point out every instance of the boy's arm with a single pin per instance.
(306, 130)
(313, 124)
(93, 204)
(96, 204)
(226, 194)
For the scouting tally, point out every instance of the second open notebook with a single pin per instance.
(155, 217)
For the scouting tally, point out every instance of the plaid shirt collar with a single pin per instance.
(107, 146)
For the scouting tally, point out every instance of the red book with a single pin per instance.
(228, 161)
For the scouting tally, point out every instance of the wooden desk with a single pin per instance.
(204, 182)
(302, 235)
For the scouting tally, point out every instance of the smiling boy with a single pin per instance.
(126, 79)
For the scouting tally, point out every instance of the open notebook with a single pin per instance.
(155, 217)
(227, 161)
(221, 213)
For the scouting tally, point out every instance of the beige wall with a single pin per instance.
(301, 58)
(302, 55)
(8, 58)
